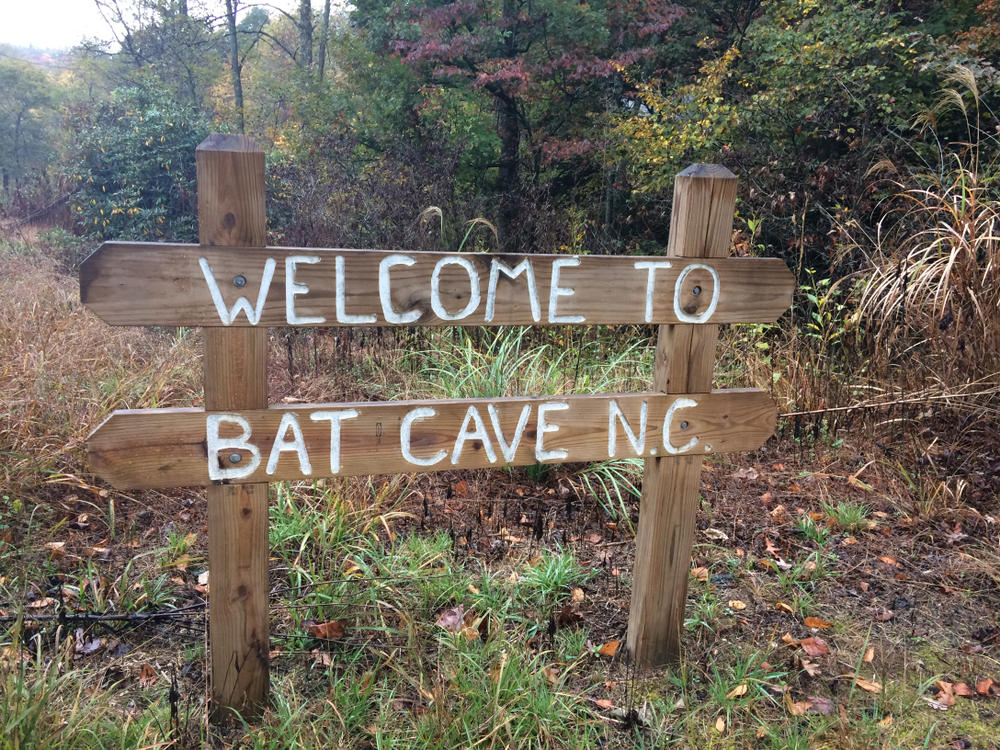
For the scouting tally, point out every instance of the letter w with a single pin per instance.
(228, 316)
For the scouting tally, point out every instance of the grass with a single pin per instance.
(529, 663)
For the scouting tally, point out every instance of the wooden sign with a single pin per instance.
(191, 285)
(180, 447)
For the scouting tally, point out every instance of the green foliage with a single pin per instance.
(27, 121)
(134, 162)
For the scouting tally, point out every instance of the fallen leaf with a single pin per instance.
(869, 655)
(203, 578)
(551, 673)
(738, 692)
(593, 538)
(815, 622)
(462, 488)
(567, 617)
(886, 722)
(847, 541)
(716, 535)
(332, 629)
(322, 658)
(871, 687)
(885, 616)
(86, 646)
(815, 647)
(880, 514)
(787, 638)
(737, 604)
(577, 595)
(604, 703)
(720, 725)
(936, 705)
(609, 649)
(778, 467)
(963, 691)
(946, 693)
(863, 585)
(767, 498)
(39, 603)
(812, 668)
(147, 676)
(889, 560)
(798, 708)
(784, 608)
(748, 473)
(700, 573)
(820, 705)
(983, 688)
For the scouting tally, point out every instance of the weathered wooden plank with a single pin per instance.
(701, 228)
(231, 212)
(157, 284)
(175, 447)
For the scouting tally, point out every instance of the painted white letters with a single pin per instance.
(477, 434)
(556, 291)
(679, 285)
(385, 290)
(509, 451)
(342, 316)
(652, 266)
(335, 418)
(524, 267)
(252, 313)
(297, 445)
(681, 403)
(217, 445)
(474, 296)
(638, 443)
(540, 453)
(292, 288)
(424, 412)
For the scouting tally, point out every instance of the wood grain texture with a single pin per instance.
(231, 213)
(701, 227)
(154, 284)
(168, 447)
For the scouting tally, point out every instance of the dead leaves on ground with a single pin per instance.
(325, 630)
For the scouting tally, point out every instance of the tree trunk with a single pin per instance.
(234, 63)
(509, 178)
(324, 34)
(305, 35)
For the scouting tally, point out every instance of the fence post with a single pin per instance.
(701, 227)
(231, 214)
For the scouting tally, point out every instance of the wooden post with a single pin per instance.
(701, 227)
(231, 213)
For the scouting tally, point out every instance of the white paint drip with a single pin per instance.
(293, 288)
(424, 412)
(556, 291)
(252, 313)
(540, 453)
(478, 434)
(385, 290)
(681, 403)
(524, 267)
(474, 296)
(335, 418)
(217, 445)
(342, 316)
(652, 266)
(638, 444)
(678, 286)
(297, 445)
(509, 451)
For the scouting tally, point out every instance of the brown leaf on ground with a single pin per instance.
(869, 655)
(812, 668)
(847, 541)
(604, 703)
(322, 658)
(147, 676)
(983, 687)
(767, 498)
(593, 538)
(738, 692)
(863, 585)
(39, 603)
(871, 687)
(885, 616)
(567, 616)
(889, 560)
(796, 708)
(815, 622)
(331, 629)
(737, 604)
(787, 638)
(609, 649)
(462, 488)
(784, 608)
(720, 724)
(551, 673)
(886, 722)
(963, 691)
(748, 473)
(815, 647)
(700, 573)
(946, 693)
(820, 705)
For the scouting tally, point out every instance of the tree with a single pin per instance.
(26, 120)
(546, 67)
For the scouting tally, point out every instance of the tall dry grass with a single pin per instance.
(63, 371)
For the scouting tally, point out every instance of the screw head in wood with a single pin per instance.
(684, 425)
(240, 281)
(235, 458)
(696, 291)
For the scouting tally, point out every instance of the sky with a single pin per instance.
(59, 24)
